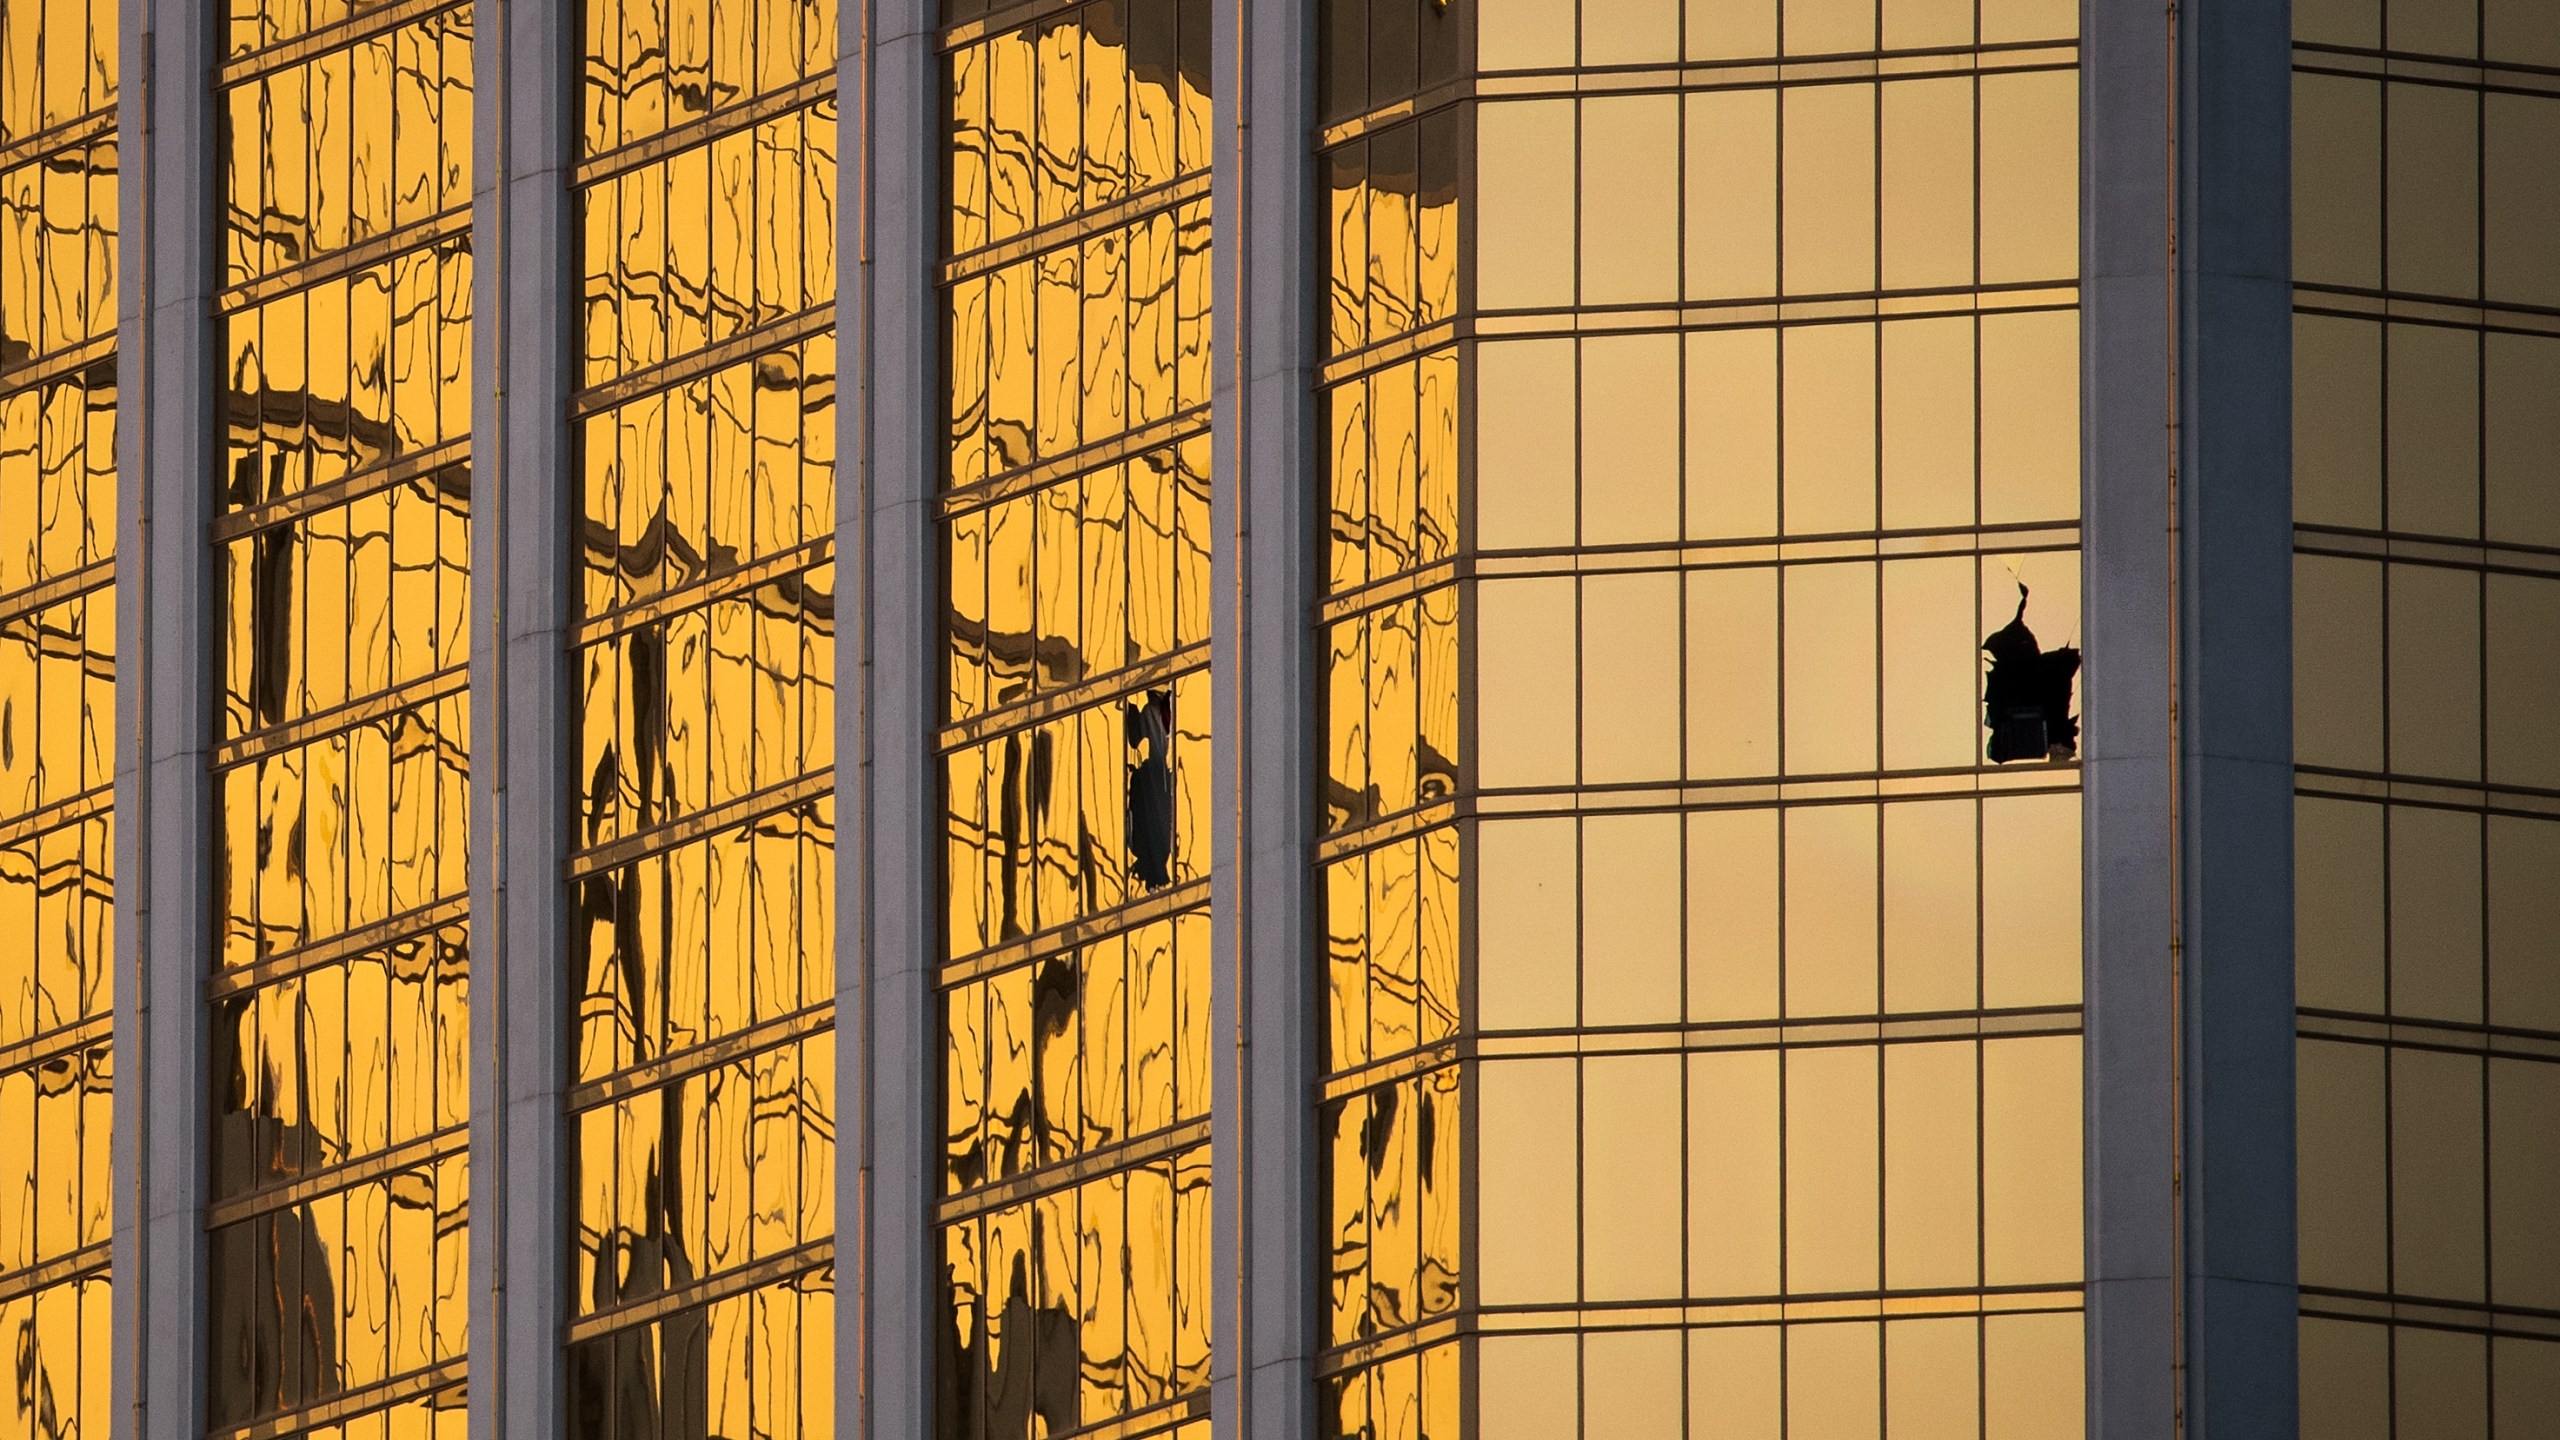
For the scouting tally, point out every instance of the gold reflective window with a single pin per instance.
(702, 875)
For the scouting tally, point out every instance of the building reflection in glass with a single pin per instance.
(1074, 1220)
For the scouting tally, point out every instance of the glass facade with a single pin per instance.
(340, 977)
(2427, 740)
(58, 237)
(703, 863)
(1703, 497)
(1072, 1210)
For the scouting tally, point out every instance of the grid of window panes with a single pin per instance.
(2427, 714)
(58, 198)
(1668, 527)
(340, 989)
(1073, 1221)
(702, 871)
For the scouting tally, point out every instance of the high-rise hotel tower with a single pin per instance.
(1279, 719)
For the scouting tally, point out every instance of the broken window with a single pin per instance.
(2026, 701)
(1150, 728)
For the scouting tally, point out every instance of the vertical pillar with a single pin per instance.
(2236, 716)
(2129, 344)
(888, 903)
(1264, 996)
(524, 235)
(166, 434)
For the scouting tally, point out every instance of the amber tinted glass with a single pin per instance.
(340, 1026)
(1075, 748)
(702, 1124)
(1728, 577)
(2427, 722)
(58, 198)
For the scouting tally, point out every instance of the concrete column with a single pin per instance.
(2128, 341)
(525, 237)
(887, 823)
(2236, 709)
(167, 437)
(1264, 1142)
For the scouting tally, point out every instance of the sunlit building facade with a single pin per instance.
(1405, 719)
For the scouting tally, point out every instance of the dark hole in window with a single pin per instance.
(2026, 701)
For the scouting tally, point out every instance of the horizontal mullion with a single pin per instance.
(363, 1170)
(743, 115)
(790, 1265)
(1058, 234)
(1075, 934)
(720, 585)
(425, 920)
(319, 270)
(648, 380)
(1130, 1154)
(657, 840)
(1024, 714)
(772, 1034)
(338, 720)
(285, 54)
(454, 454)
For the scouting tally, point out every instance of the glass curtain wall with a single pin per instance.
(1703, 877)
(2427, 714)
(1074, 1219)
(703, 1102)
(340, 978)
(58, 198)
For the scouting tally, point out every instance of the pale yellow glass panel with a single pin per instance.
(1930, 1205)
(1524, 34)
(1932, 681)
(1631, 1178)
(1630, 645)
(1524, 203)
(2033, 1368)
(1630, 439)
(1829, 27)
(1526, 637)
(2528, 1383)
(1528, 1215)
(1928, 418)
(1630, 205)
(1828, 145)
(2337, 422)
(1927, 130)
(1730, 225)
(2433, 27)
(2030, 176)
(2433, 406)
(1632, 1379)
(1732, 29)
(1733, 915)
(2338, 905)
(2341, 1131)
(1930, 903)
(2524, 1182)
(2439, 1171)
(1932, 1384)
(2433, 178)
(1732, 682)
(1831, 935)
(1833, 1381)
(2435, 914)
(2337, 181)
(1525, 872)
(1733, 1205)
(2520, 175)
(1630, 32)
(2524, 923)
(2031, 417)
(2031, 875)
(2522, 32)
(2337, 662)
(1830, 427)
(1631, 887)
(1830, 674)
(2440, 1384)
(2520, 382)
(2013, 20)
(2031, 1161)
(2346, 1380)
(2356, 23)
(1732, 461)
(1735, 1383)
(2435, 672)
(1832, 1184)
(1524, 413)
(1527, 1386)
